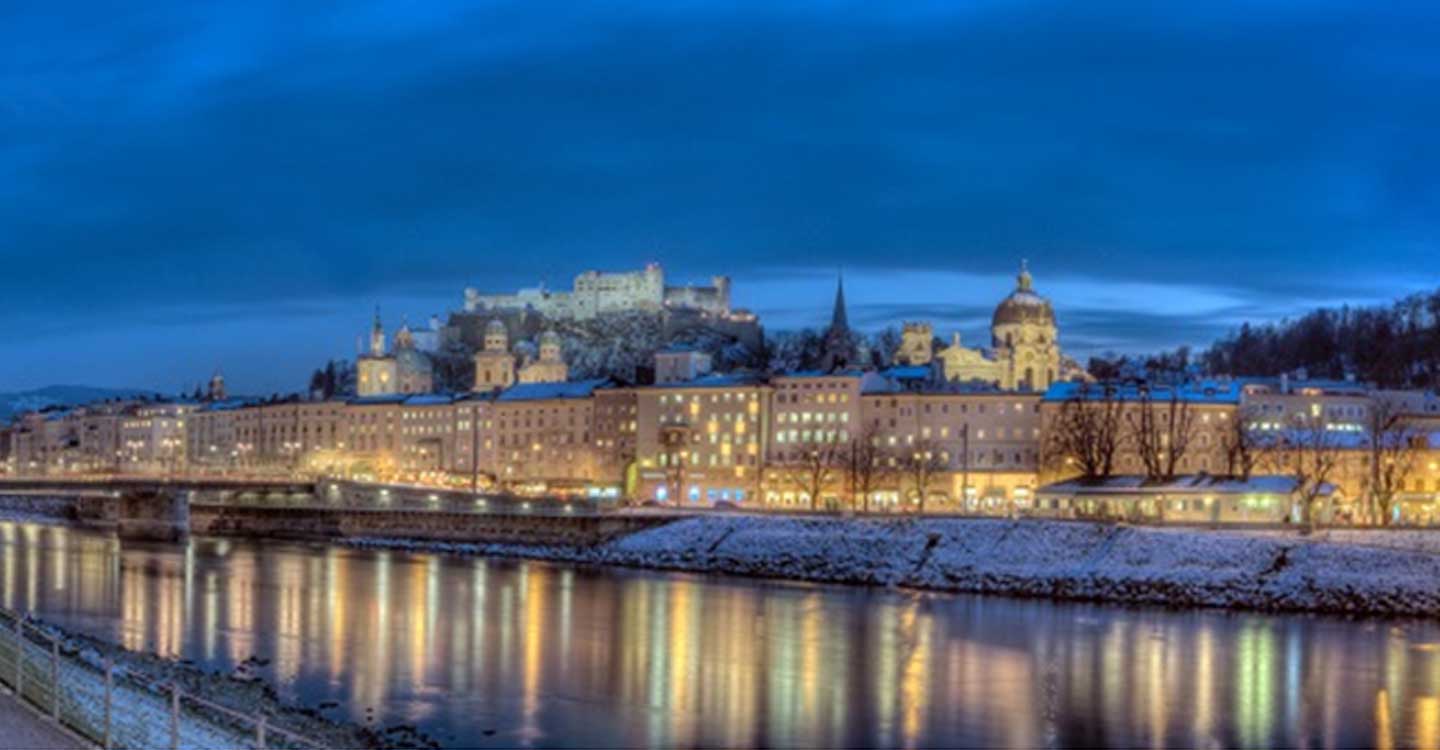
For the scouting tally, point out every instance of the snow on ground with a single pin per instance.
(1339, 571)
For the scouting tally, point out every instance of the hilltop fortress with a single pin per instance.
(596, 293)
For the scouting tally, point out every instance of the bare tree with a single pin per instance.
(1240, 442)
(1391, 443)
(813, 467)
(867, 466)
(1161, 431)
(1309, 454)
(921, 462)
(1086, 431)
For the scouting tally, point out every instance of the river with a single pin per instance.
(499, 653)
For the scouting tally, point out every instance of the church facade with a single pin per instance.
(1024, 352)
(495, 363)
(404, 369)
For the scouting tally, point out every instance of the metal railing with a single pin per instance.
(114, 707)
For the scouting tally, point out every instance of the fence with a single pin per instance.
(114, 707)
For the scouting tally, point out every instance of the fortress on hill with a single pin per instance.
(596, 293)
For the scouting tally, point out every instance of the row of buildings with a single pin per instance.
(917, 434)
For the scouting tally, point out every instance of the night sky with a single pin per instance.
(185, 186)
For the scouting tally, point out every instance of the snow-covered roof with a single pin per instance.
(849, 372)
(717, 380)
(429, 399)
(544, 391)
(228, 404)
(1131, 484)
(388, 398)
(1200, 392)
(1293, 385)
(908, 372)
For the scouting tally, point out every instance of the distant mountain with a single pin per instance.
(19, 402)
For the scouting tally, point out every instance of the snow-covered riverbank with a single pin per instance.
(1135, 565)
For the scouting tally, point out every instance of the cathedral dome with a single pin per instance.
(1023, 305)
(412, 359)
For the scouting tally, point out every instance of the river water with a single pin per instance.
(498, 653)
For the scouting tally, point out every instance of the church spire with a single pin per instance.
(838, 319)
(1023, 281)
(377, 336)
(838, 348)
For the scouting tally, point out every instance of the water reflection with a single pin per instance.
(558, 656)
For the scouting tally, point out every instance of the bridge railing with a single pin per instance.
(115, 708)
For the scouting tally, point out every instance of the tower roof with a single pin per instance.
(1023, 305)
(838, 319)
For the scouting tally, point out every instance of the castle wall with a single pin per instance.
(596, 293)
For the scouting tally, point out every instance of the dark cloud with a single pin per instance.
(159, 159)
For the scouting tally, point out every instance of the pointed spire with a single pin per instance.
(1023, 281)
(838, 319)
(377, 336)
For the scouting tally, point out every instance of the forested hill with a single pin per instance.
(1392, 346)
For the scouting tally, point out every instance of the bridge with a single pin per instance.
(160, 509)
(111, 485)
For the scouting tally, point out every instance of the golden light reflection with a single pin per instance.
(7, 538)
(1384, 732)
(915, 677)
(1427, 721)
(652, 659)
(1204, 715)
(532, 604)
(290, 613)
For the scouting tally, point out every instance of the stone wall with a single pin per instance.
(325, 524)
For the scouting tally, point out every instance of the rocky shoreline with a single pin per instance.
(1119, 564)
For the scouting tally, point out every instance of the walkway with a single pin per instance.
(22, 729)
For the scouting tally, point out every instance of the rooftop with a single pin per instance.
(543, 391)
(1130, 484)
(1198, 392)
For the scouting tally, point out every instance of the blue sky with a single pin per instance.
(192, 185)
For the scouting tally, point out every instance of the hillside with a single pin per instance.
(17, 402)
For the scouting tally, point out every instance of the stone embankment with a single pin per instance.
(341, 524)
(1031, 558)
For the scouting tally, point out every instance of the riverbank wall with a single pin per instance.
(341, 524)
(1031, 558)
(168, 519)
